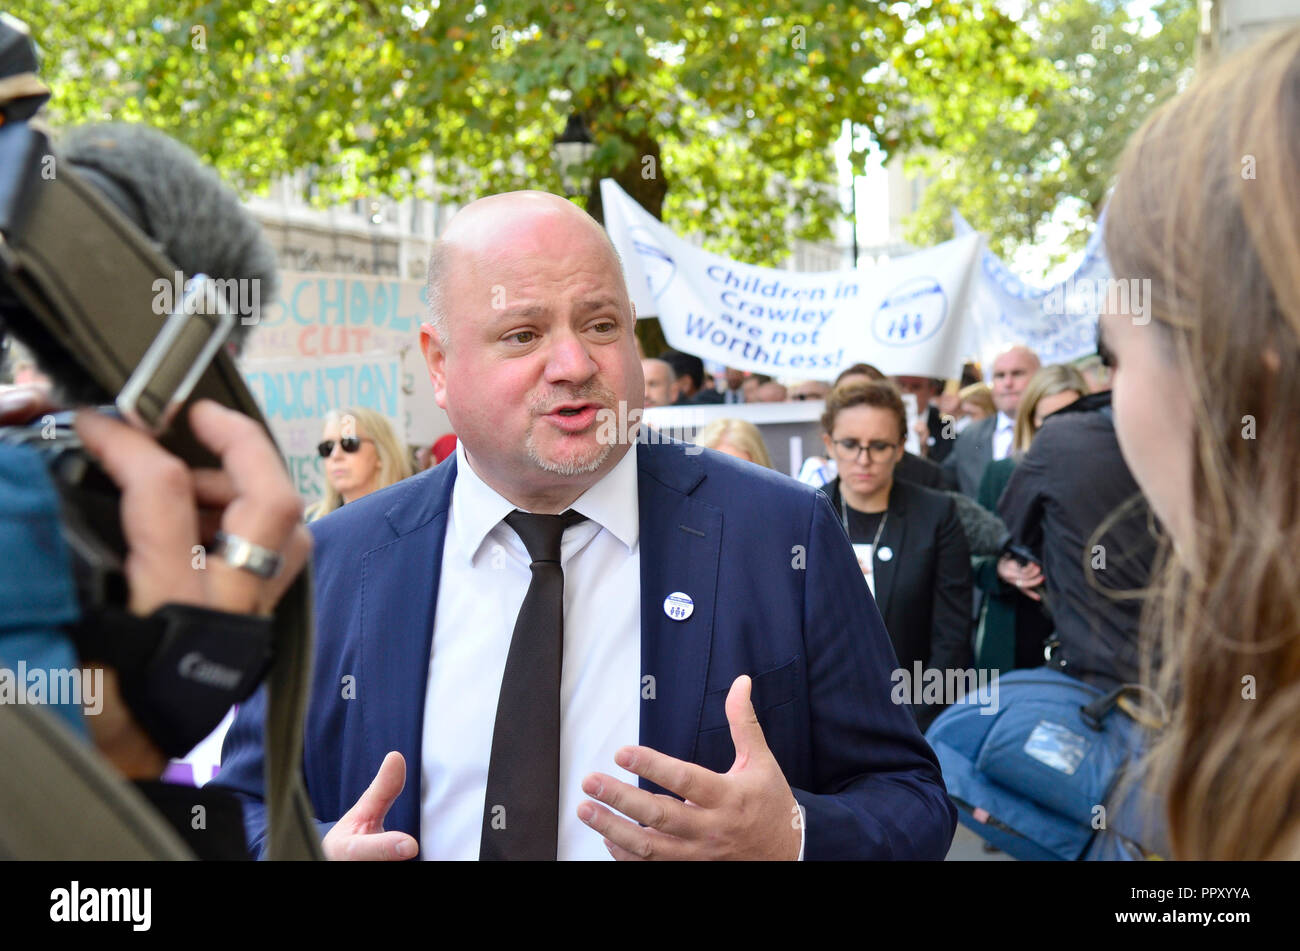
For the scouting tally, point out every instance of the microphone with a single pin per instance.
(195, 219)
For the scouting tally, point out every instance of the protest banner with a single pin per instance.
(334, 340)
(1058, 322)
(907, 316)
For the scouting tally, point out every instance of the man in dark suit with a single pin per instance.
(989, 439)
(689, 370)
(759, 695)
(924, 389)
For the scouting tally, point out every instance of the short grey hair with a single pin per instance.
(672, 374)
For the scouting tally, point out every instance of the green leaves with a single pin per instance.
(1107, 72)
(737, 107)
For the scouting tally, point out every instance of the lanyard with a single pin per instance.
(844, 515)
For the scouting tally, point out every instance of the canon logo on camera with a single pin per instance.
(194, 666)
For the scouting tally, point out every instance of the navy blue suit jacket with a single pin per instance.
(778, 595)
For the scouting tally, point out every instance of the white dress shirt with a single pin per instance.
(484, 578)
(1003, 435)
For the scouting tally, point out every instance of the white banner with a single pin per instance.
(334, 340)
(905, 317)
(1059, 323)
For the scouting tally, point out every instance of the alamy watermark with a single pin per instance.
(1127, 297)
(624, 426)
(943, 687)
(78, 903)
(242, 295)
(53, 685)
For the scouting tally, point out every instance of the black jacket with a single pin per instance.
(939, 448)
(1072, 479)
(923, 591)
(920, 471)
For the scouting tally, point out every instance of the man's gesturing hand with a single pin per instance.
(359, 836)
(748, 812)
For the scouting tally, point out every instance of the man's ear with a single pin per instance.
(435, 358)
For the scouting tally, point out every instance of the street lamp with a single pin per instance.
(573, 147)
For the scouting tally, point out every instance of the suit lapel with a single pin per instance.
(893, 537)
(986, 444)
(397, 631)
(680, 542)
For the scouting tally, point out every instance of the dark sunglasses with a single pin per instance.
(348, 444)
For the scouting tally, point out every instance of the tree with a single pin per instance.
(717, 117)
(1112, 68)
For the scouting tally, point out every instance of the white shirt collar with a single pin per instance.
(612, 503)
(1005, 421)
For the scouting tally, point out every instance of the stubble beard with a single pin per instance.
(574, 464)
(568, 467)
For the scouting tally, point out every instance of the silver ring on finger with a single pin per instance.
(241, 553)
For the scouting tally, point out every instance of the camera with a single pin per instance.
(78, 268)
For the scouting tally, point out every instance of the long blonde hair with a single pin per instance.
(394, 459)
(741, 434)
(1049, 381)
(1207, 207)
(981, 395)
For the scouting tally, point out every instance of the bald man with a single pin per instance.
(991, 439)
(660, 383)
(532, 651)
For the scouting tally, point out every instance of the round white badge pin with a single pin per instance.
(885, 553)
(679, 606)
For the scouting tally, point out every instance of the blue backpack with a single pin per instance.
(1037, 777)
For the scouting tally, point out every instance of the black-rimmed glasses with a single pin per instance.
(877, 450)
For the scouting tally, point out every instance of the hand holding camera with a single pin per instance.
(171, 515)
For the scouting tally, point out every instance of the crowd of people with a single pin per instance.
(963, 572)
(1132, 518)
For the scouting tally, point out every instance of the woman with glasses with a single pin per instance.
(361, 454)
(909, 539)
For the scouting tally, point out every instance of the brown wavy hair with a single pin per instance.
(881, 394)
(1207, 206)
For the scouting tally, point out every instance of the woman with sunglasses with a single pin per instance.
(361, 454)
(909, 539)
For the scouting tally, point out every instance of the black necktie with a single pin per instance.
(521, 814)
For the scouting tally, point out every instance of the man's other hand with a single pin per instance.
(749, 812)
(359, 836)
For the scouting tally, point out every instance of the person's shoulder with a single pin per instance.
(922, 502)
(923, 495)
(975, 433)
(1001, 468)
(365, 521)
(728, 480)
(1078, 432)
(919, 470)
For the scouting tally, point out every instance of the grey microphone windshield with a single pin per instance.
(195, 218)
